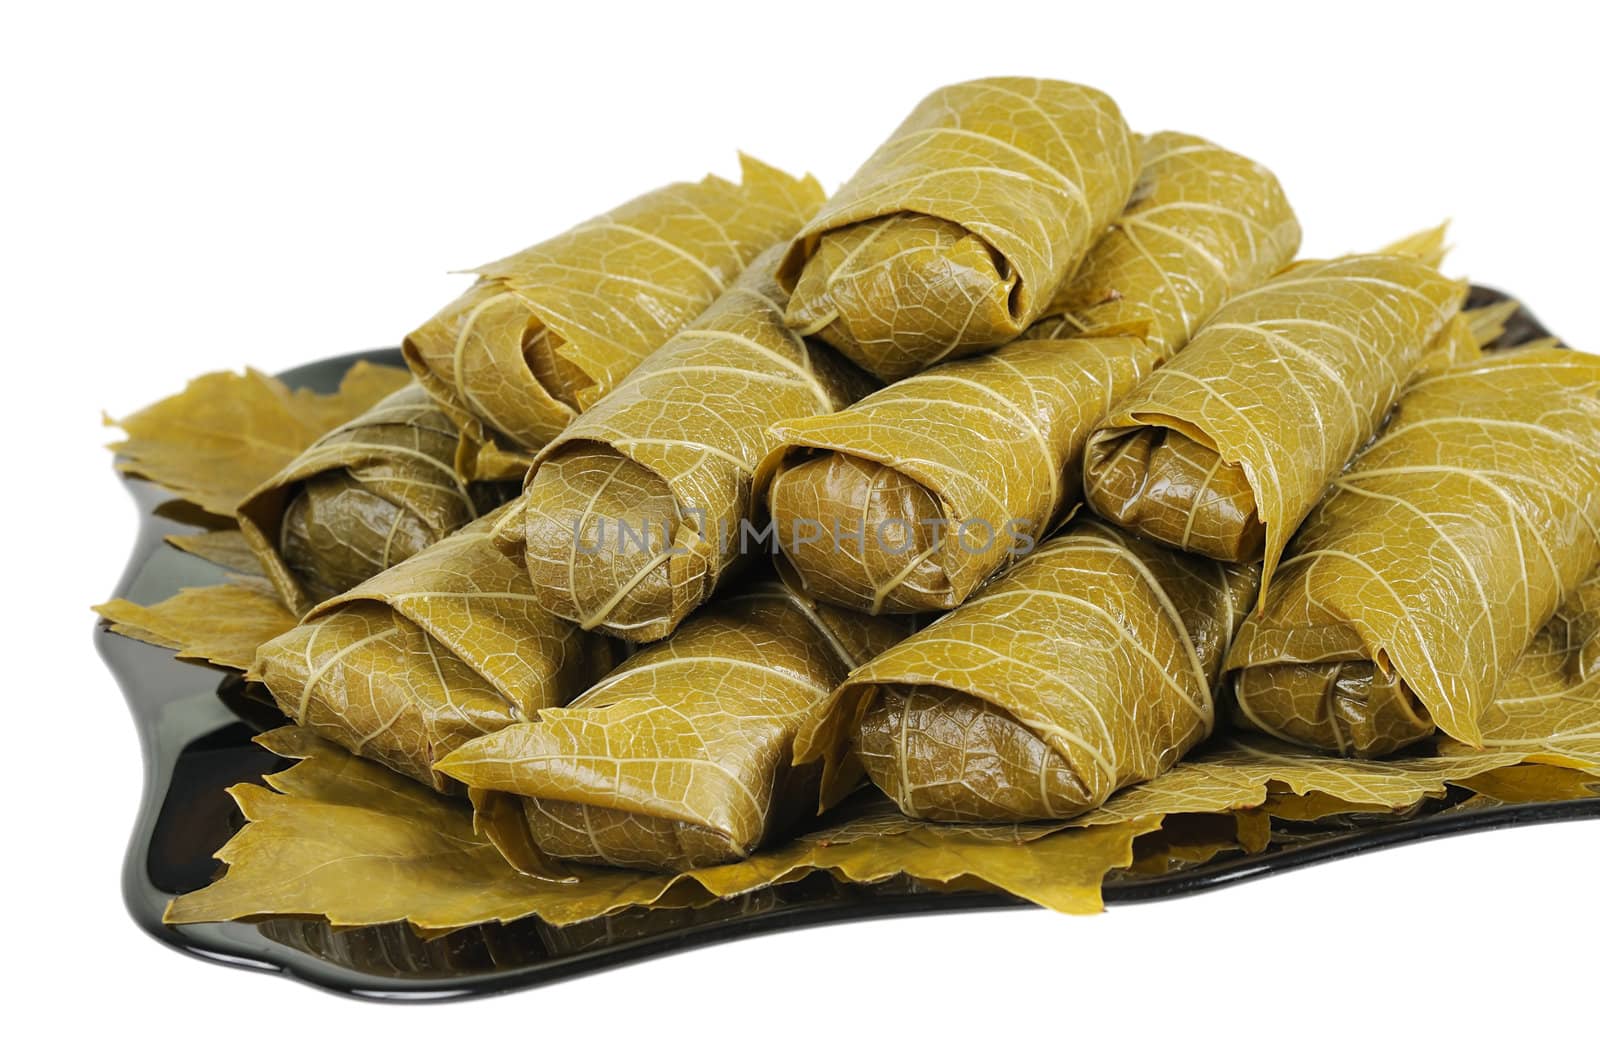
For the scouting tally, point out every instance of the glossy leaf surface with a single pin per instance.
(214, 442)
(673, 453)
(681, 756)
(361, 499)
(954, 235)
(1204, 225)
(1089, 666)
(443, 647)
(222, 624)
(1225, 448)
(1435, 559)
(545, 332)
(907, 500)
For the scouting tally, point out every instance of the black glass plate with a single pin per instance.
(195, 724)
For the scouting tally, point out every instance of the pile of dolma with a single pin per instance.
(1020, 515)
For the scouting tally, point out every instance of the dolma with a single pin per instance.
(1433, 561)
(871, 502)
(1204, 225)
(682, 756)
(641, 506)
(1089, 666)
(954, 235)
(547, 331)
(1225, 448)
(1547, 707)
(906, 501)
(361, 499)
(443, 647)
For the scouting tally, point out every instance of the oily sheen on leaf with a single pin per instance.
(1226, 447)
(1087, 667)
(637, 511)
(361, 499)
(681, 757)
(441, 648)
(222, 624)
(1434, 560)
(545, 332)
(954, 235)
(1246, 771)
(1549, 702)
(223, 547)
(909, 499)
(1204, 225)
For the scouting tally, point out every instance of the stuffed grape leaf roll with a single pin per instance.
(1226, 447)
(1435, 558)
(682, 756)
(547, 331)
(638, 510)
(954, 235)
(1089, 666)
(443, 647)
(907, 500)
(1204, 224)
(361, 499)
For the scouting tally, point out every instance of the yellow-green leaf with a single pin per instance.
(1414, 587)
(673, 452)
(1225, 448)
(213, 442)
(348, 840)
(547, 331)
(223, 624)
(955, 234)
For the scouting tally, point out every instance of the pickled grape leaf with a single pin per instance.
(223, 546)
(1470, 335)
(443, 647)
(681, 757)
(1225, 448)
(672, 453)
(909, 499)
(1435, 559)
(1530, 783)
(1087, 667)
(1203, 225)
(222, 624)
(954, 235)
(364, 497)
(547, 331)
(1189, 841)
(213, 442)
(1549, 702)
(349, 840)
(1242, 771)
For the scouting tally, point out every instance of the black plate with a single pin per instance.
(195, 725)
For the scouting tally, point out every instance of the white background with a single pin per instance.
(192, 188)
